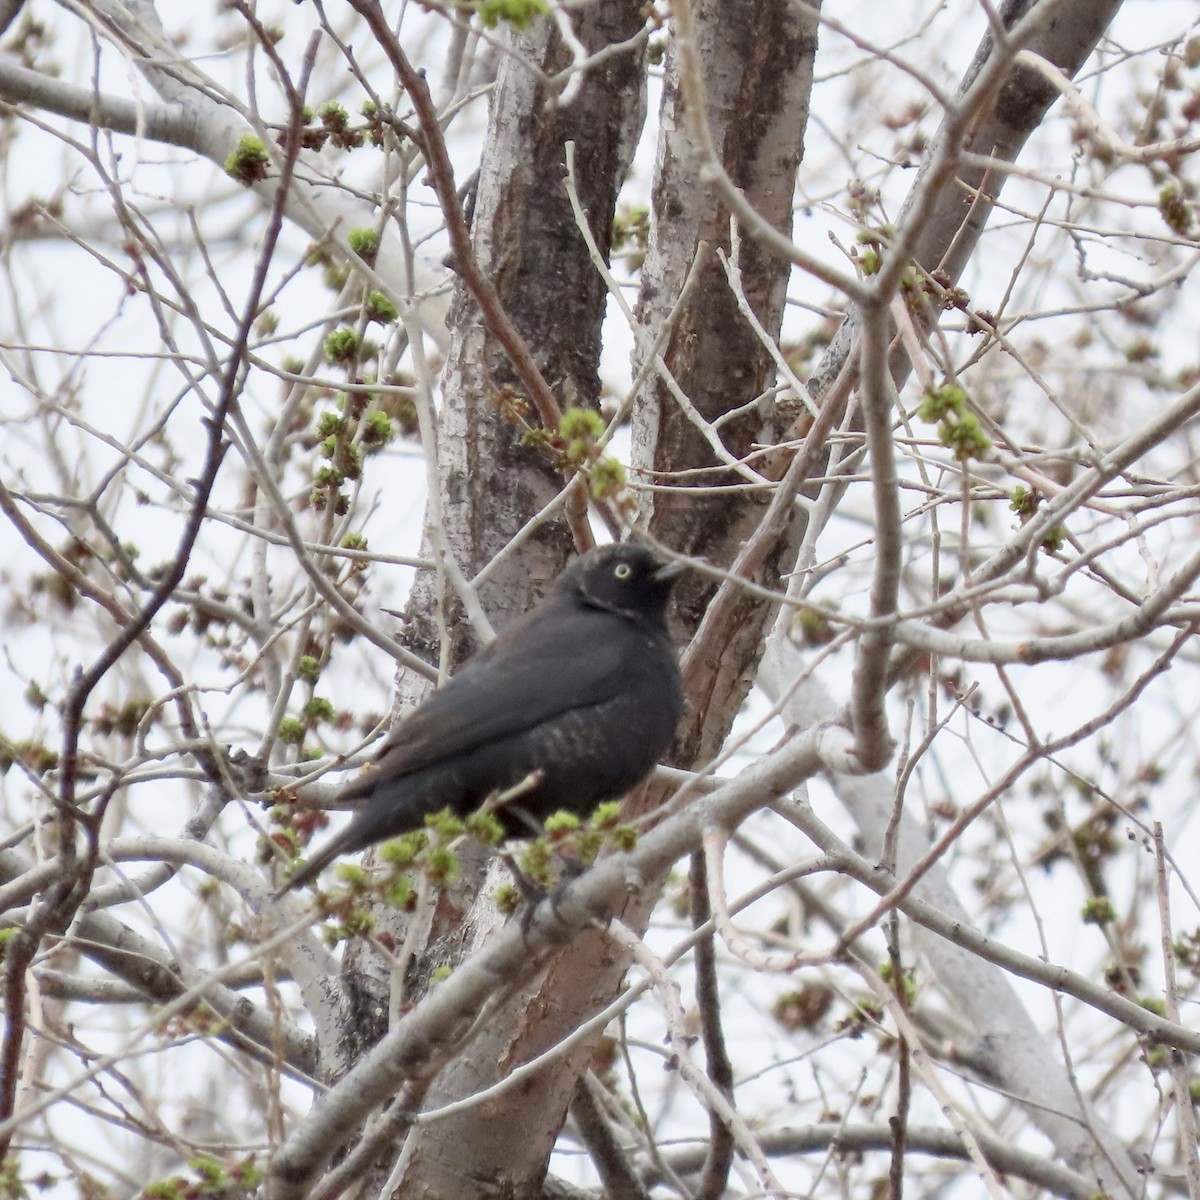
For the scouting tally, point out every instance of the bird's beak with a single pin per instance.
(669, 572)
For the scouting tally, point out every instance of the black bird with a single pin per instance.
(584, 690)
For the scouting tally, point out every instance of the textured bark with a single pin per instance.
(664, 440)
(502, 1148)
(1066, 39)
(525, 239)
(764, 84)
(950, 234)
(757, 92)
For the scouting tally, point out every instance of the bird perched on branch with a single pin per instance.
(570, 706)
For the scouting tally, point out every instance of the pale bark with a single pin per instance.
(1009, 1050)
(499, 527)
(491, 483)
(756, 62)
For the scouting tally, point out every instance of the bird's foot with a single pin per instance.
(533, 894)
(572, 869)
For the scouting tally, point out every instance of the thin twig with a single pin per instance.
(1185, 1112)
(715, 1176)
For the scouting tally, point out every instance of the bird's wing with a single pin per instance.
(501, 696)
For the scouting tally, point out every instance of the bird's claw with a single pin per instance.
(532, 894)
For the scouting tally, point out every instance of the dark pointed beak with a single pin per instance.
(669, 572)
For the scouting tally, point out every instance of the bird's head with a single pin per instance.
(628, 579)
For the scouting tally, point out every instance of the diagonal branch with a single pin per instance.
(440, 1024)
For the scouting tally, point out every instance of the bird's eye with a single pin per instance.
(622, 570)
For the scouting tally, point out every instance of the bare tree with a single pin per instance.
(333, 331)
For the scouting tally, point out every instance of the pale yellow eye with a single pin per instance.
(622, 570)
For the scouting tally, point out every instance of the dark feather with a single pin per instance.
(584, 690)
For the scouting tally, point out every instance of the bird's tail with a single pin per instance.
(392, 808)
(336, 846)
